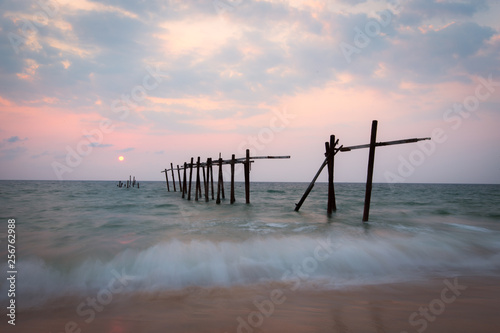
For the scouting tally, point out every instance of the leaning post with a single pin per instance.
(369, 177)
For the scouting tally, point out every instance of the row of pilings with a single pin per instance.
(205, 170)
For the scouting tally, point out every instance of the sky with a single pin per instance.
(84, 82)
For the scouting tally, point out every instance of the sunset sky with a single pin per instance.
(85, 82)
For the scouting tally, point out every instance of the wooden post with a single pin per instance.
(331, 191)
(184, 186)
(311, 185)
(221, 176)
(173, 177)
(247, 176)
(205, 181)
(369, 177)
(166, 179)
(179, 175)
(233, 160)
(212, 177)
(133, 182)
(197, 179)
(190, 177)
(219, 182)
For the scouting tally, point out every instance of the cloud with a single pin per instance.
(415, 11)
(45, 153)
(12, 153)
(99, 145)
(126, 150)
(14, 139)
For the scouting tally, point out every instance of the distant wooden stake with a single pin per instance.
(369, 177)
(197, 187)
(219, 182)
(212, 178)
(179, 174)
(166, 179)
(184, 186)
(233, 159)
(205, 180)
(247, 176)
(190, 177)
(173, 177)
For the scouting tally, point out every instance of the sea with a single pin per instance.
(74, 238)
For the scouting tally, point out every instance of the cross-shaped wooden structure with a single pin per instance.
(331, 151)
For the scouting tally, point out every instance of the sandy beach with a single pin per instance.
(455, 304)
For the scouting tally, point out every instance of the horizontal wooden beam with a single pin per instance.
(237, 161)
(381, 144)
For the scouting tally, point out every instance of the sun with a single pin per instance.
(121, 158)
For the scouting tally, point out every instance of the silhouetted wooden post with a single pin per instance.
(166, 179)
(184, 186)
(219, 183)
(133, 182)
(199, 181)
(311, 185)
(173, 177)
(331, 191)
(198, 185)
(212, 178)
(205, 180)
(233, 160)
(190, 177)
(179, 174)
(247, 176)
(369, 177)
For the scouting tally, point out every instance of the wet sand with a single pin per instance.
(465, 304)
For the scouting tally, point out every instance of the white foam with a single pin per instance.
(337, 259)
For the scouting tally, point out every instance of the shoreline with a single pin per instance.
(461, 304)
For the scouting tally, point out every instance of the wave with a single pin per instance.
(330, 261)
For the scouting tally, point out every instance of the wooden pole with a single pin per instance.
(232, 178)
(197, 187)
(311, 185)
(190, 177)
(247, 176)
(331, 191)
(173, 177)
(166, 179)
(179, 175)
(212, 178)
(221, 176)
(219, 182)
(205, 180)
(184, 187)
(369, 177)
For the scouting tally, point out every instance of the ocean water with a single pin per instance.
(74, 237)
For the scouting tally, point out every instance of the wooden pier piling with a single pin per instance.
(369, 177)
(190, 177)
(179, 175)
(233, 161)
(173, 177)
(198, 185)
(205, 181)
(331, 206)
(219, 183)
(247, 176)
(211, 177)
(184, 186)
(166, 179)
